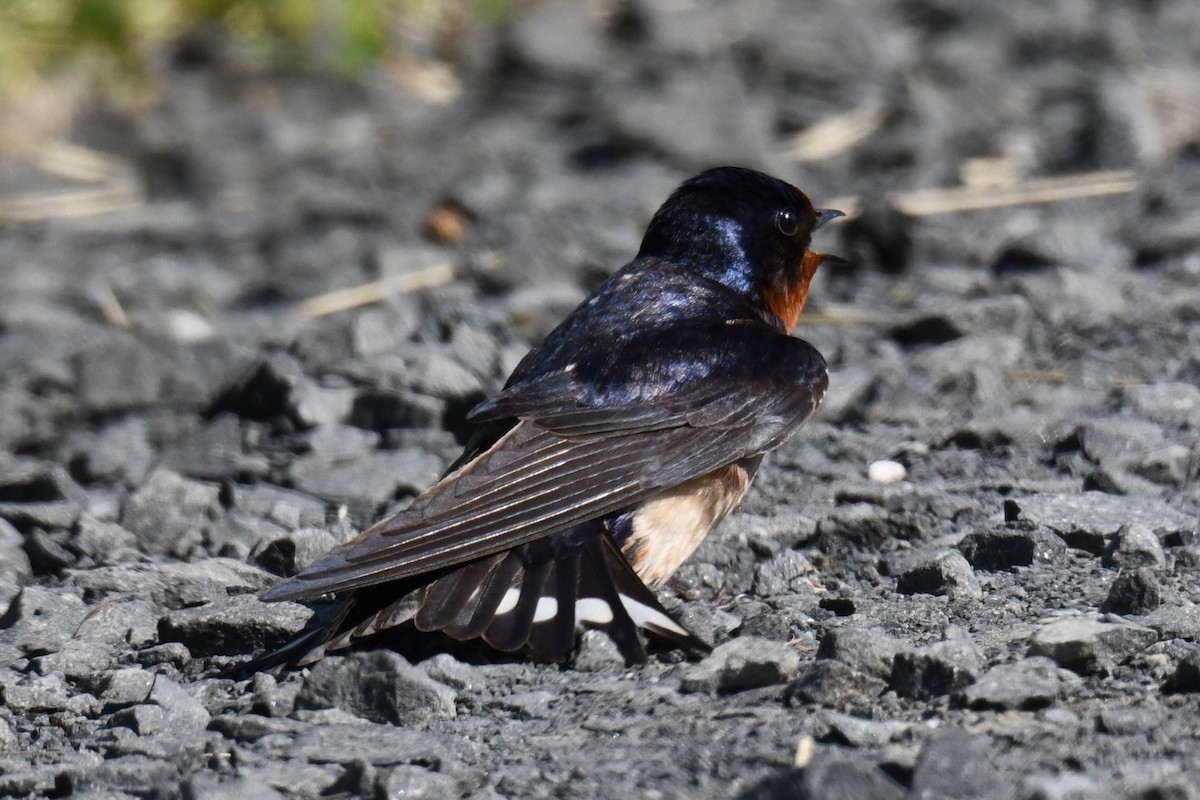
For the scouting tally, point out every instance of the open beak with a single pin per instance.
(825, 215)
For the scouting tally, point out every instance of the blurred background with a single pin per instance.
(437, 183)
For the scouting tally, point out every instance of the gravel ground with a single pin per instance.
(1016, 617)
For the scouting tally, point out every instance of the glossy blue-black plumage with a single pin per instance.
(674, 367)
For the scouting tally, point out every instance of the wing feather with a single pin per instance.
(552, 472)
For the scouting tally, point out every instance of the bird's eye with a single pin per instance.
(787, 222)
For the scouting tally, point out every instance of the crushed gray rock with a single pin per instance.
(366, 483)
(946, 573)
(868, 650)
(832, 684)
(1004, 548)
(34, 493)
(1133, 591)
(1029, 684)
(379, 686)
(1039, 359)
(1086, 645)
(411, 782)
(1134, 545)
(957, 764)
(340, 739)
(937, 669)
(233, 625)
(168, 512)
(1090, 520)
(1186, 677)
(858, 732)
(865, 528)
(831, 774)
(746, 662)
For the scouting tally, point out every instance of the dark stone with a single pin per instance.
(1086, 645)
(1186, 677)
(167, 708)
(265, 391)
(368, 483)
(33, 493)
(252, 727)
(413, 782)
(926, 329)
(1170, 465)
(1134, 591)
(238, 624)
(864, 527)
(210, 452)
(833, 684)
(121, 374)
(1087, 521)
(119, 452)
(1174, 622)
(956, 765)
(785, 573)
(171, 585)
(1134, 545)
(1000, 549)
(946, 573)
(46, 554)
(103, 543)
(1026, 685)
(868, 650)
(831, 774)
(746, 662)
(841, 606)
(289, 554)
(936, 669)
(379, 686)
(33, 693)
(126, 687)
(168, 512)
(381, 410)
(858, 732)
(286, 508)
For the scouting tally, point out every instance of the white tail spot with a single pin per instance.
(547, 609)
(593, 610)
(646, 617)
(509, 601)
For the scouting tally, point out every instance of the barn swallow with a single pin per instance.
(613, 448)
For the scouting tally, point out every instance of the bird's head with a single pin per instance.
(746, 230)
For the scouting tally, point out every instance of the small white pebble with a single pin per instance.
(188, 327)
(886, 471)
(804, 752)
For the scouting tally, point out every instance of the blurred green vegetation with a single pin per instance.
(117, 46)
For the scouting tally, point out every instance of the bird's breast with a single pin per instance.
(670, 525)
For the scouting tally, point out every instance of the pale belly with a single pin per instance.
(669, 526)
